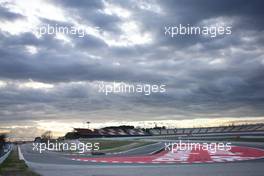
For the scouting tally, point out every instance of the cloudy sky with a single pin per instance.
(50, 81)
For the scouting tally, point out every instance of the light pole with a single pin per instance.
(88, 123)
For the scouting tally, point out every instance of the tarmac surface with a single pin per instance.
(59, 163)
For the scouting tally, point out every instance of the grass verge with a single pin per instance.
(12, 166)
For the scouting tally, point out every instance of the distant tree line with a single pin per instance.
(2, 142)
(45, 137)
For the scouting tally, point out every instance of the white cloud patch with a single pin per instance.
(35, 85)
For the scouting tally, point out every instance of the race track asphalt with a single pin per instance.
(58, 164)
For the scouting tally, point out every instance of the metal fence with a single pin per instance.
(2, 158)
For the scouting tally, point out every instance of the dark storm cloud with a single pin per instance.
(79, 4)
(50, 65)
(220, 77)
(246, 16)
(193, 11)
(7, 15)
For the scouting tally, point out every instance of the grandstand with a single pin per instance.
(115, 132)
(130, 131)
(253, 129)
